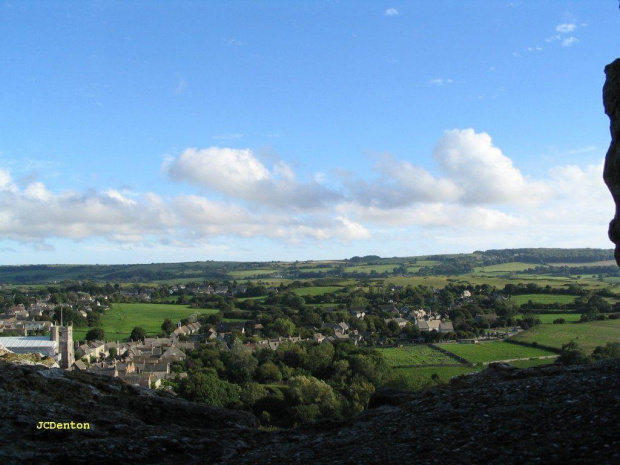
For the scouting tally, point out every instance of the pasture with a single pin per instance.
(416, 378)
(242, 274)
(521, 299)
(547, 318)
(318, 290)
(587, 335)
(120, 319)
(505, 267)
(485, 352)
(420, 354)
(368, 268)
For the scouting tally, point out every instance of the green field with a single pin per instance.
(505, 267)
(547, 318)
(419, 378)
(602, 263)
(494, 351)
(587, 335)
(415, 378)
(238, 274)
(120, 319)
(368, 268)
(532, 362)
(415, 355)
(318, 290)
(543, 299)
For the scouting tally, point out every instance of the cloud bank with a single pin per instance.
(472, 189)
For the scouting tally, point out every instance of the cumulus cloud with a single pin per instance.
(400, 183)
(35, 215)
(392, 12)
(435, 215)
(569, 41)
(6, 181)
(565, 28)
(472, 188)
(440, 81)
(240, 174)
(482, 171)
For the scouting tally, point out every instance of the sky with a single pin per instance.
(160, 131)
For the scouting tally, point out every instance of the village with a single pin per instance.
(147, 362)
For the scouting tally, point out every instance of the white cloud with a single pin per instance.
(230, 171)
(6, 181)
(440, 81)
(400, 183)
(473, 192)
(36, 215)
(392, 12)
(38, 191)
(570, 41)
(482, 171)
(228, 136)
(240, 174)
(181, 85)
(565, 28)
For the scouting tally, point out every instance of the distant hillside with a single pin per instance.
(353, 267)
(44, 274)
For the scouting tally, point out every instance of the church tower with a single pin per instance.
(63, 335)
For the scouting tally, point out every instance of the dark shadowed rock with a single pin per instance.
(611, 101)
(503, 415)
(388, 396)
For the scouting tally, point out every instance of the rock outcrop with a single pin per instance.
(549, 414)
(611, 174)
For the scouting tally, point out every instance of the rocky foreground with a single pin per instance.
(543, 415)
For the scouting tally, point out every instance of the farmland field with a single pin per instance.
(494, 351)
(419, 378)
(532, 362)
(318, 290)
(587, 335)
(415, 378)
(543, 299)
(416, 355)
(505, 267)
(120, 319)
(368, 268)
(547, 318)
(602, 263)
(251, 273)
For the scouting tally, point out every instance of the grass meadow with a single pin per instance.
(416, 378)
(318, 290)
(120, 319)
(415, 355)
(543, 299)
(587, 335)
(485, 352)
(547, 318)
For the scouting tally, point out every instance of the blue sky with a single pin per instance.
(156, 131)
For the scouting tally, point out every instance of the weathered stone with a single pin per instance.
(504, 415)
(611, 174)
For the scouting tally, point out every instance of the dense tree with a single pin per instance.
(167, 326)
(572, 354)
(208, 388)
(95, 334)
(138, 334)
(284, 326)
(268, 372)
(610, 350)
